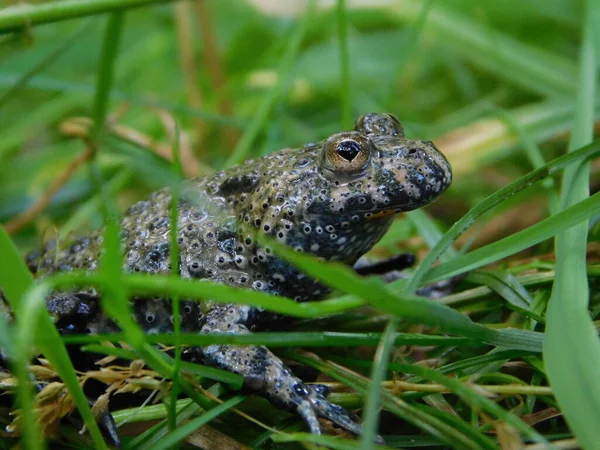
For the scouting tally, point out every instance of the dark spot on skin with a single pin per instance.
(236, 185)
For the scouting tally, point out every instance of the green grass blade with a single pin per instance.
(444, 429)
(589, 151)
(267, 106)
(188, 428)
(44, 63)
(408, 307)
(572, 348)
(499, 53)
(531, 149)
(15, 278)
(470, 364)
(547, 228)
(155, 434)
(475, 399)
(15, 283)
(372, 404)
(232, 379)
(27, 15)
(175, 304)
(345, 91)
(35, 121)
(508, 287)
(94, 204)
(29, 305)
(149, 412)
(283, 339)
(430, 232)
(47, 84)
(333, 442)
(412, 308)
(105, 78)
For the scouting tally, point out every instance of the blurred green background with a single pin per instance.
(492, 83)
(451, 71)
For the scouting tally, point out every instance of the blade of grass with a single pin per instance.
(412, 308)
(27, 15)
(527, 66)
(345, 91)
(409, 47)
(116, 305)
(430, 232)
(475, 399)
(446, 429)
(322, 441)
(572, 348)
(52, 57)
(531, 149)
(271, 99)
(94, 204)
(115, 299)
(378, 372)
(36, 119)
(584, 153)
(20, 280)
(175, 305)
(35, 303)
(47, 84)
(409, 307)
(149, 412)
(232, 379)
(547, 228)
(32, 318)
(508, 287)
(281, 339)
(185, 430)
(105, 75)
(155, 433)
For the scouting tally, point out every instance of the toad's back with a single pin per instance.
(334, 199)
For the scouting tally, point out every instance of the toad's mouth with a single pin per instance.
(386, 211)
(378, 214)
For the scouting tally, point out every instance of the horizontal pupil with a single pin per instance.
(348, 150)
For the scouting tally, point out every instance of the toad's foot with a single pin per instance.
(265, 374)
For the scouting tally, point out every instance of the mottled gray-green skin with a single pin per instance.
(334, 199)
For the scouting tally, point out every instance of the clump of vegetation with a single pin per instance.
(97, 99)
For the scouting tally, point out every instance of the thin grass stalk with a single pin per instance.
(571, 347)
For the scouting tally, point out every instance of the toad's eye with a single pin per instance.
(347, 152)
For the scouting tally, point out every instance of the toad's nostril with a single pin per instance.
(412, 151)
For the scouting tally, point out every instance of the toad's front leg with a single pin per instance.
(265, 374)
